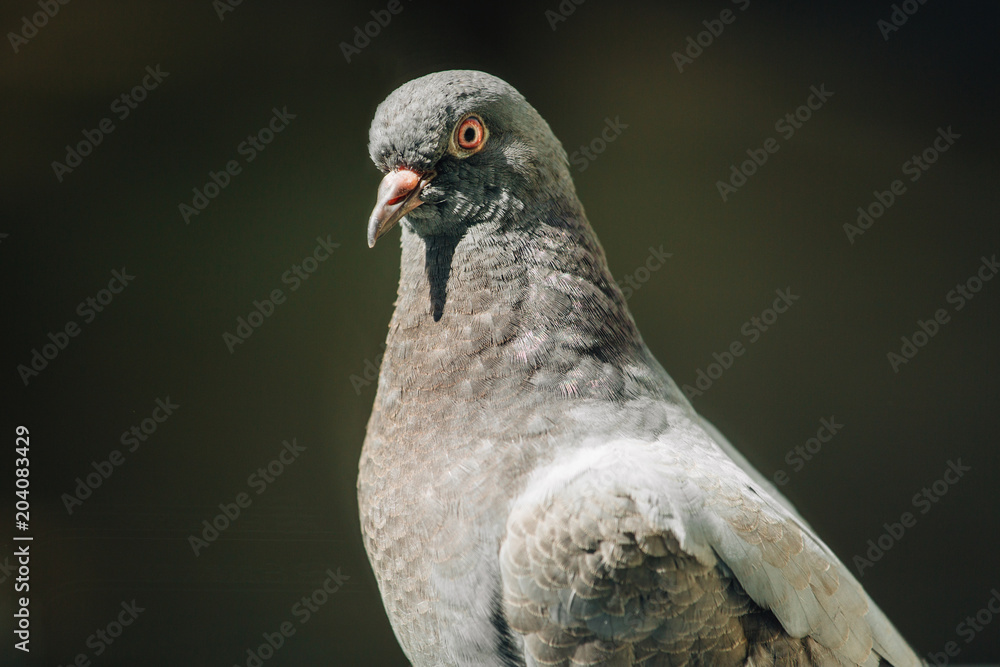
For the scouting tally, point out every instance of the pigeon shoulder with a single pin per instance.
(620, 551)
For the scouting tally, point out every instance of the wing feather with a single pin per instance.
(632, 553)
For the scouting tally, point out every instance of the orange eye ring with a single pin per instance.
(469, 136)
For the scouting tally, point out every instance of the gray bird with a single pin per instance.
(534, 489)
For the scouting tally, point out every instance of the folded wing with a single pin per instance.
(635, 553)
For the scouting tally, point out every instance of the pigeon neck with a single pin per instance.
(515, 305)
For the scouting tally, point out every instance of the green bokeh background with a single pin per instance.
(654, 185)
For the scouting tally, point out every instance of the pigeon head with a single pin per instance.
(460, 148)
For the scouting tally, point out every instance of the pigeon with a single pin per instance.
(534, 489)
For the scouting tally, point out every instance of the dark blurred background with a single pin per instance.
(301, 375)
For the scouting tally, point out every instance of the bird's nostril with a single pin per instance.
(396, 200)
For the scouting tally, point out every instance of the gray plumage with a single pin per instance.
(534, 489)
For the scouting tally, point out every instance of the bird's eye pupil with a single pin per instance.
(470, 134)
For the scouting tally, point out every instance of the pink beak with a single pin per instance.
(398, 194)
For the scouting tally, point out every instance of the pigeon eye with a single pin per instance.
(469, 137)
(470, 133)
